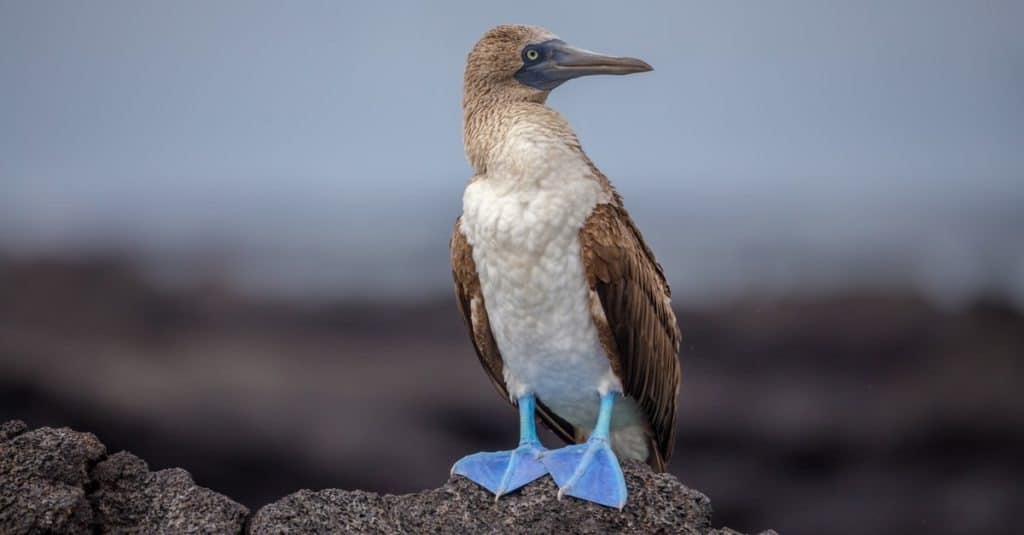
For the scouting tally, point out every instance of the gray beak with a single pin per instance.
(547, 65)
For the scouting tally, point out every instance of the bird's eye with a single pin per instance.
(531, 54)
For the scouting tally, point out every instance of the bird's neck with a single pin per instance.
(524, 143)
(487, 123)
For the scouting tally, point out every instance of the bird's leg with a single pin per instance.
(505, 471)
(590, 471)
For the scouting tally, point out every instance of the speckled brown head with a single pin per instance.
(510, 72)
(514, 62)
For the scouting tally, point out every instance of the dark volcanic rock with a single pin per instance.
(658, 503)
(130, 498)
(62, 481)
(12, 429)
(43, 474)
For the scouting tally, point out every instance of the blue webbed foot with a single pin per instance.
(588, 471)
(502, 472)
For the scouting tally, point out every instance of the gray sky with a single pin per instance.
(778, 146)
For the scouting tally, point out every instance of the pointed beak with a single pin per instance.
(578, 62)
(559, 62)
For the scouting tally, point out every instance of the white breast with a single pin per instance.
(522, 221)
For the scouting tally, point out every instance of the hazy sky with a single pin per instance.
(777, 145)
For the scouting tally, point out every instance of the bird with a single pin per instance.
(568, 309)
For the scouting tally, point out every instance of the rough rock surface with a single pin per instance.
(58, 480)
(658, 503)
(61, 481)
(43, 476)
(130, 498)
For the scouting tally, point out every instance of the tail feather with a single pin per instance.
(654, 458)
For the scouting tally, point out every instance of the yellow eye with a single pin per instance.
(532, 54)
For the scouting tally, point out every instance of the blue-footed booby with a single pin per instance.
(567, 308)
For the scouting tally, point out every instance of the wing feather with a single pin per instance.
(635, 319)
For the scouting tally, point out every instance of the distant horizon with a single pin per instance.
(949, 263)
(786, 147)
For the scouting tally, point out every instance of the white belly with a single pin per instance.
(523, 220)
(527, 254)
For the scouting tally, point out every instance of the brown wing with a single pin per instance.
(471, 304)
(635, 320)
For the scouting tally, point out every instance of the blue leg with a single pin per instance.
(590, 471)
(505, 471)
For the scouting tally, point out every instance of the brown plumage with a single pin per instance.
(635, 320)
(629, 297)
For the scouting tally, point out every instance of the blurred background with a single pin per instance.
(224, 226)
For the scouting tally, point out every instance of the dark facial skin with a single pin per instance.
(549, 64)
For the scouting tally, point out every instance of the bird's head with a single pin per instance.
(524, 63)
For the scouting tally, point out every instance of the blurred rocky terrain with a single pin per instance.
(864, 412)
(63, 481)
